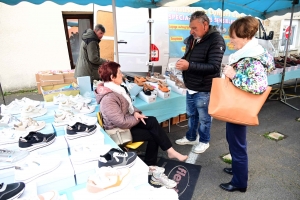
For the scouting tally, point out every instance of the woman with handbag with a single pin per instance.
(247, 69)
(118, 112)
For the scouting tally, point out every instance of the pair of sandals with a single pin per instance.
(158, 76)
(139, 80)
(178, 82)
(147, 88)
(162, 86)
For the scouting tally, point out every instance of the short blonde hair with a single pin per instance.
(244, 27)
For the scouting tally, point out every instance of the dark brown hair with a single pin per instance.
(107, 69)
(244, 27)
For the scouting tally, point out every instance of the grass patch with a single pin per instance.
(267, 135)
(226, 158)
(298, 119)
(20, 92)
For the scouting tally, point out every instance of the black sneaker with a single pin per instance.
(80, 130)
(35, 140)
(11, 191)
(117, 159)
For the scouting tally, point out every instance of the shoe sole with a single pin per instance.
(186, 143)
(71, 137)
(37, 146)
(200, 151)
(40, 174)
(160, 183)
(17, 195)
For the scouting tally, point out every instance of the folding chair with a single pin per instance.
(130, 145)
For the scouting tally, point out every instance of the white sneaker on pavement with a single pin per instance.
(184, 141)
(201, 147)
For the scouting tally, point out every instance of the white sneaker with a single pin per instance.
(80, 99)
(66, 105)
(35, 166)
(201, 147)
(60, 98)
(108, 180)
(162, 179)
(9, 121)
(84, 108)
(64, 118)
(85, 119)
(10, 136)
(184, 141)
(31, 111)
(156, 170)
(28, 124)
(87, 153)
(26, 101)
(12, 109)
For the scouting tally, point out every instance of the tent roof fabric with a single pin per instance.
(257, 8)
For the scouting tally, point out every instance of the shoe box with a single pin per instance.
(7, 175)
(59, 179)
(175, 88)
(148, 99)
(30, 191)
(163, 95)
(58, 147)
(96, 138)
(139, 173)
(128, 191)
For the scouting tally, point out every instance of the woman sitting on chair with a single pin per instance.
(118, 112)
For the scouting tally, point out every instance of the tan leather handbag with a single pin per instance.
(231, 104)
(120, 136)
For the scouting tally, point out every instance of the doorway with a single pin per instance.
(75, 25)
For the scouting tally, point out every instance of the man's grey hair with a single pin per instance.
(199, 15)
(99, 27)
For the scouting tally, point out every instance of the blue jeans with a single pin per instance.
(197, 111)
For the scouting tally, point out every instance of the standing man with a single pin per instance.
(89, 59)
(199, 65)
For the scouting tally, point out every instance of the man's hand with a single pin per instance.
(182, 65)
(139, 116)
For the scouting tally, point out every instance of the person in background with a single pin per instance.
(89, 59)
(199, 65)
(118, 112)
(247, 69)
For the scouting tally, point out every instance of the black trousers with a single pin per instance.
(156, 137)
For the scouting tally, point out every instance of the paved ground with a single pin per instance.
(274, 167)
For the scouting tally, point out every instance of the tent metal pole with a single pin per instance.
(282, 95)
(115, 31)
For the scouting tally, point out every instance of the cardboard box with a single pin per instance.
(165, 123)
(7, 175)
(175, 120)
(69, 77)
(59, 179)
(53, 90)
(182, 117)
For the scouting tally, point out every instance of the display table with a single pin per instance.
(163, 109)
(292, 72)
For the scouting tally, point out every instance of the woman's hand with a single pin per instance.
(229, 71)
(139, 116)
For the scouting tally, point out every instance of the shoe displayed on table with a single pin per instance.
(30, 111)
(158, 75)
(163, 88)
(12, 156)
(11, 191)
(12, 109)
(60, 98)
(180, 84)
(163, 180)
(10, 136)
(184, 141)
(35, 166)
(80, 99)
(108, 180)
(64, 118)
(117, 159)
(26, 101)
(28, 124)
(87, 153)
(9, 121)
(66, 105)
(35, 140)
(230, 188)
(201, 147)
(146, 90)
(139, 80)
(228, 170)
(148, 78)
(79, 130)
(155, 170)
(84, 108)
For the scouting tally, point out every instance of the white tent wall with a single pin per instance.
(32, 38)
